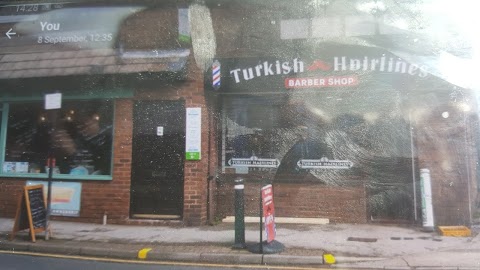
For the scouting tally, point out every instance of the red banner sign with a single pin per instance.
(268, 212)
(318, 82)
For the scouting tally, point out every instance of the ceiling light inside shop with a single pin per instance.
(445, 115)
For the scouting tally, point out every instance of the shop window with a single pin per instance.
(80, 135)
(268, 136)
(310, 138)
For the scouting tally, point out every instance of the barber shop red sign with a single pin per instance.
(321, 81)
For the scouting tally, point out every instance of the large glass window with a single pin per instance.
(79, 134)
(337, 138)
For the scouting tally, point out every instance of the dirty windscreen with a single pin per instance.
(356, 111)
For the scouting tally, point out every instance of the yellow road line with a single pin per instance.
(86, 258)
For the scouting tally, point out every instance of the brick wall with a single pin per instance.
(161, 31)
(446, 146)
(213, 154)
(195, 172)
(306, 200)
(112, 197)
(10, 191)
(134, 34)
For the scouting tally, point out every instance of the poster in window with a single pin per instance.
(193, 139)
(65, 197)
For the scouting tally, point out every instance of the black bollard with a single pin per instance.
(239, 215)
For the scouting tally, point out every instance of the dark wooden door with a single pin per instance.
(158, 159)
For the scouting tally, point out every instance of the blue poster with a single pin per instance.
(65, 197)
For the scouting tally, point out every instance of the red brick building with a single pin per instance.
(340, 129)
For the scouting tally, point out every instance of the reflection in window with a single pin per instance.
(337, 141)
(81, 138)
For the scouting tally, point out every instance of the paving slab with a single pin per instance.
(240, 258)
(14, 245)
(56, 248)
(396, 247)
(445, 259)
(388, 263)
(277, 259)
(176, 257)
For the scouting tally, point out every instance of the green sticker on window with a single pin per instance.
(193, 155)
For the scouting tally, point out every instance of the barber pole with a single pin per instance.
(216, 74)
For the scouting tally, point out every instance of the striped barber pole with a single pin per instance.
(216, 74)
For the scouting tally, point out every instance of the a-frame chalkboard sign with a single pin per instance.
(31, 212)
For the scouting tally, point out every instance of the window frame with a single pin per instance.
(5, 109)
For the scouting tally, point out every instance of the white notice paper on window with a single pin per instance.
(193, 141)
(53, 101)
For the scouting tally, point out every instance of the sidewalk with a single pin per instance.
(355, 246)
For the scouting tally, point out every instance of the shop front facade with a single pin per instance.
(159, 119)
(341, 111)
(343, 135)
(130, 139)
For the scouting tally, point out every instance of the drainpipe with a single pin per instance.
(209, 171)
(412, 149)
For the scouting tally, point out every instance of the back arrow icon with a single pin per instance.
(10, 33)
